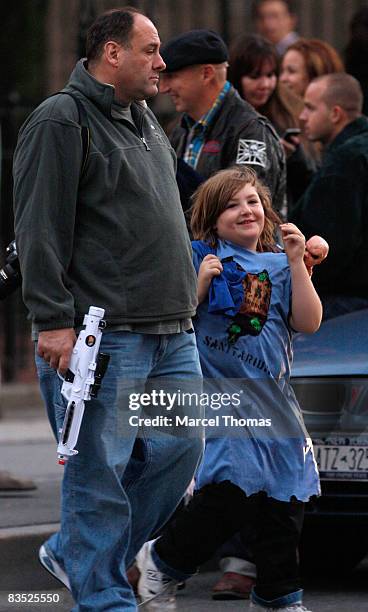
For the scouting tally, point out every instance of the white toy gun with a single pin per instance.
(82, 380)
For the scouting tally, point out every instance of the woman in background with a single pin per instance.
(254, 70)
(305, 60)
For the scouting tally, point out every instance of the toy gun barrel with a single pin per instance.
(70, 431)
(82, 380)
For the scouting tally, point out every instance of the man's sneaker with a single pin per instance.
(156, 590)
(297, 607)
(48, 561)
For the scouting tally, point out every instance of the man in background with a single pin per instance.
(335, 204)
(217, 128)
(275, 20)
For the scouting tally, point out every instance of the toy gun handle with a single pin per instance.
(82, 380)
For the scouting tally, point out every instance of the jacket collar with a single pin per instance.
(231, 98)
(354, 128)
(101, 94)
(209, 117)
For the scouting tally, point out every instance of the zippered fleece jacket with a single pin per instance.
(113, 236)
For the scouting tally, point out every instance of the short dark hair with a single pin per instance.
(343, 90)
(115, 24)
(290, 5)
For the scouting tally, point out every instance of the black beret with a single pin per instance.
(194, 47)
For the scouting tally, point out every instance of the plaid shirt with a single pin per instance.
(198, 130)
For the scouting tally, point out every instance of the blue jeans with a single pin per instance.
(126, 480)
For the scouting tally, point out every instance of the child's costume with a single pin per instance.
(260, 469)
(260, 442)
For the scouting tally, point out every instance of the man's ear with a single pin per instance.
(337, 114)
(208, 72)
(112, 52)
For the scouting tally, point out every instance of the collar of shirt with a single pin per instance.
(282, 46)
(197, 130)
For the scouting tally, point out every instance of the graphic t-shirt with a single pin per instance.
(259, 440)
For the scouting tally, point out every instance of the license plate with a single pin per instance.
(342, 462)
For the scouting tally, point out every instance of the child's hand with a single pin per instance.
(306, 308)
(294, 242)
(211, 266)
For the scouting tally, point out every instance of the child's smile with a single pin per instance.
(242, 221)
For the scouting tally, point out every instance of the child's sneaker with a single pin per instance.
(156, 590)
(49, 562)
(297, 607)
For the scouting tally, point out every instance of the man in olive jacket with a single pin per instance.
(335, 203)
(111, 235)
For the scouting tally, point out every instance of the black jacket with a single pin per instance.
(335, 206)
(239, 135)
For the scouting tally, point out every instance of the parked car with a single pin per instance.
(330, 380)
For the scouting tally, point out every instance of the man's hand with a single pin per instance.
(211, 266)
(55, 347)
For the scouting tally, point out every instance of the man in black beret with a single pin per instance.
(218, 128)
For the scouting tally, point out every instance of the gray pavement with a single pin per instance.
(332, 596)
(27, 518)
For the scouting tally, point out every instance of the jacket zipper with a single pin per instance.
(145, 143)
(138, 131)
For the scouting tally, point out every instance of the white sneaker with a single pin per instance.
(297, 607)
(156, 590)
